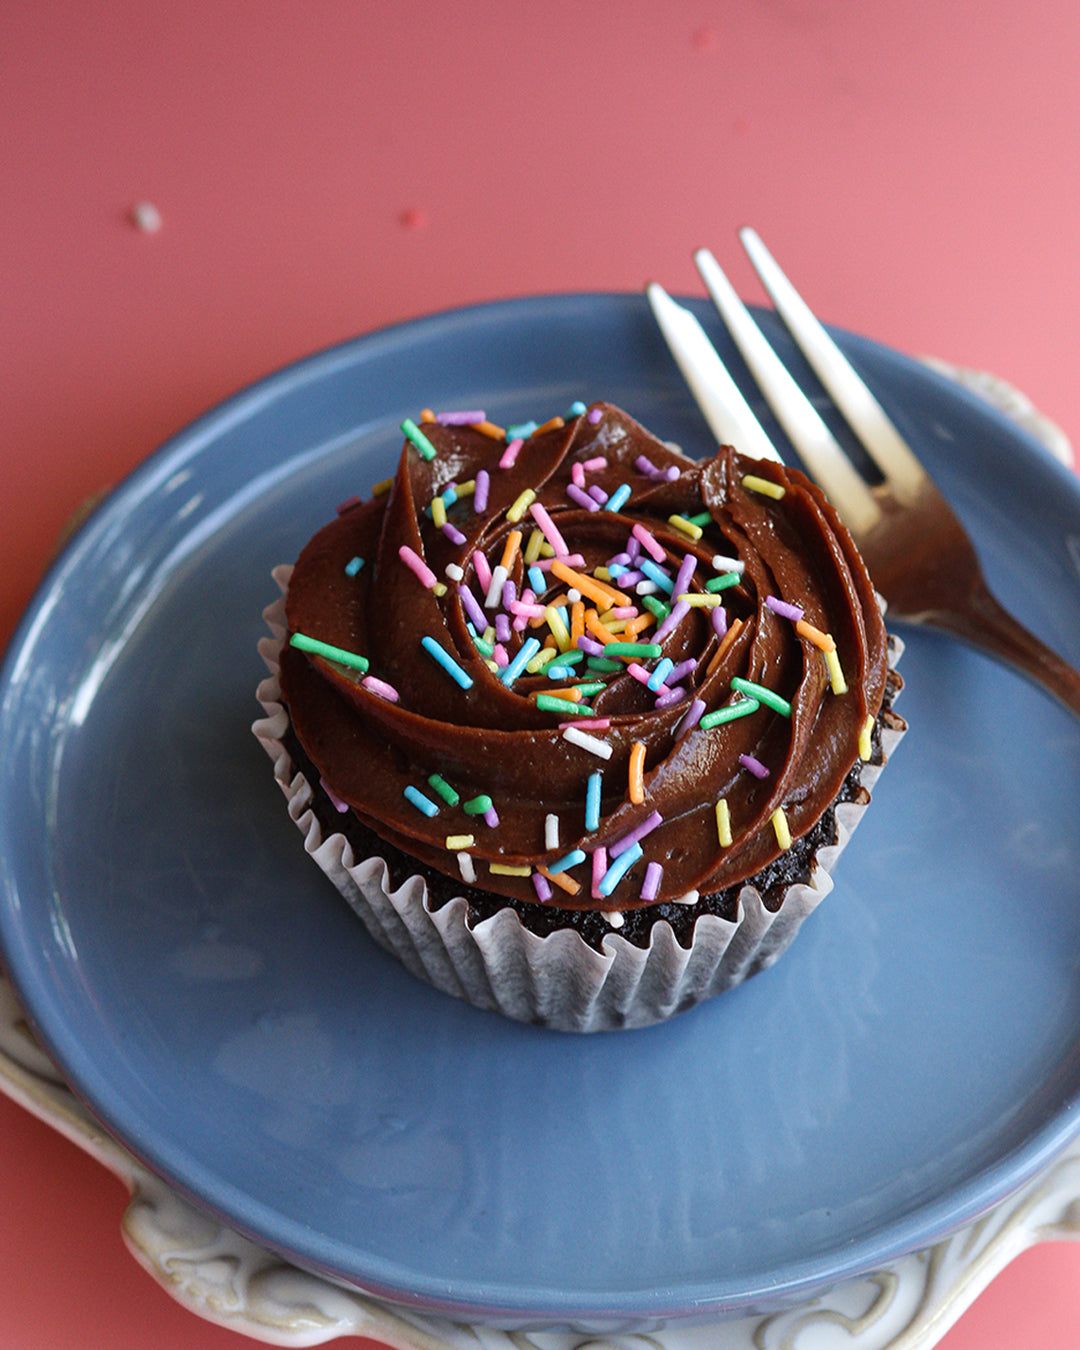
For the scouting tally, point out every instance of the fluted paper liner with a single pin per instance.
(556, 981)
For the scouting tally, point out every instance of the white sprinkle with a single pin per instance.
(584, 741)
(495, 590)
(690, 898)
(613, 916)
(455, 571)
(551, 831)
(146, 217)
(723, 564)
(573, 595)
(468, 871)
(646, 588)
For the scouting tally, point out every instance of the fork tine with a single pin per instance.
(818, 447)
(728, 414)
(863, 412)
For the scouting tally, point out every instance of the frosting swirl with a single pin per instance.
(687, 603)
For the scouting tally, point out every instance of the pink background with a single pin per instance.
(323, 168)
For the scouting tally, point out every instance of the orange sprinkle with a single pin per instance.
(635, 626)
(596, 628)
(577, 621)
(426, 415)
(571, 695)
(490, 429)
(637, 772)
(513, 543)
(560, 879)
(552, 424)
(595, 590)
(725, 643)
(823, 640)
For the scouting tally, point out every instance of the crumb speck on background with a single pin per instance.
(412, 219)
(146, 217)
(704, 38)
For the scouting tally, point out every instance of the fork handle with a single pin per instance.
(987, 625)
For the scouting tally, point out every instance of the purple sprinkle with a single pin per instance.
(542, 887)
(509, 593)
(685, 575)
(597, 493)
(461, 419)
(676, 673)
(582, 498)
(651, 885)
(629, 578)
(453, 534)
(619, 560)
(480, 495)
(670, 473)
(338, 804)
(595, 414)
(491, 818)
(781, 607)
(646, 466)
(502, 627)
(693, 716)
(472, 608)
(633, 548)
(590, 646)
(719, 621)
(668, 696)
(639, 832)
(755, 766)
(679, 612)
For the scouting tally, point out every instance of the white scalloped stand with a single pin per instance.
(224, 1278)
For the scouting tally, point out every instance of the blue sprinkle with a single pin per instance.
(523, 430)
(557, 672)
(571, 859)
(592, 801)
(421, 802)
(537, 580)
(619, 869)
(353, 566)
(576, 408)
(657, 574)
(526, 652)
(459, 676)
(618, 498)
(660, 674)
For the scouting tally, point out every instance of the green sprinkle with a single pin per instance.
(602, 664)
(650, 650)
(483, 647)
(317, 648)
(443, 788)
(655, 606)
(549, 703)
(592, 688)
(478, 805)
(413, 432)
(763, 695)
(741, 708)
(700, 520)
(722, 582)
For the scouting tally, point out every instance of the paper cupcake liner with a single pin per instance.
(559, 980)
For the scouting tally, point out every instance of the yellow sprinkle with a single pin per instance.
(507, 870)
(561, 879)
(552, 424)
(755, 484)
(532, 548)
(438, 512)
(836, 675)
(466, 489)
(866, 747)
(815, 635)
(426, 415)
(601, 574)
(596, 591)
(439, 588)
(780, 825)
(381, 488)
(723, 823)
(614, 625)
(513, 543)
(700, 600)
(493, 666)
(460, 841)
(521, 505)
(489, 633)
(688, 527)
(540, 660)
(559, 630)
(490, 429)
(637, 773)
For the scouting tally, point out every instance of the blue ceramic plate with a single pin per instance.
(911, 1060)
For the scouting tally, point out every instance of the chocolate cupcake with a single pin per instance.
(577, 725)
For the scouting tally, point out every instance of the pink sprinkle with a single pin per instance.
(693, 716)
(499, 655)
(719, 621)
(542, 887)
(595, 414)
(523, 609)
(461, 419)
(637, 671)
(624, 612)
(679, 612)
(416, 564)
(453, 534)
(587, 723)
(482, 567)
(639, 832)
(480, 494)
(599, 867)
(335, 800)
(781, 607)
(577, 474)
(510, 454)
(595, 464)
(754, 765)
(570, 560)
(582, 498)
(649, 542)
(549, 530)
(380, 687)
(651, 885)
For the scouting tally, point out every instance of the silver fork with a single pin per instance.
(918, 553)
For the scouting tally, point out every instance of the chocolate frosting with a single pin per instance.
(492, 740)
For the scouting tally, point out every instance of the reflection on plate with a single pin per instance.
(910, 1063)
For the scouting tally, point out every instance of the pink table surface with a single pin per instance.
(321, 169)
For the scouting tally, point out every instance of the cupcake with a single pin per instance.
(577, 725)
